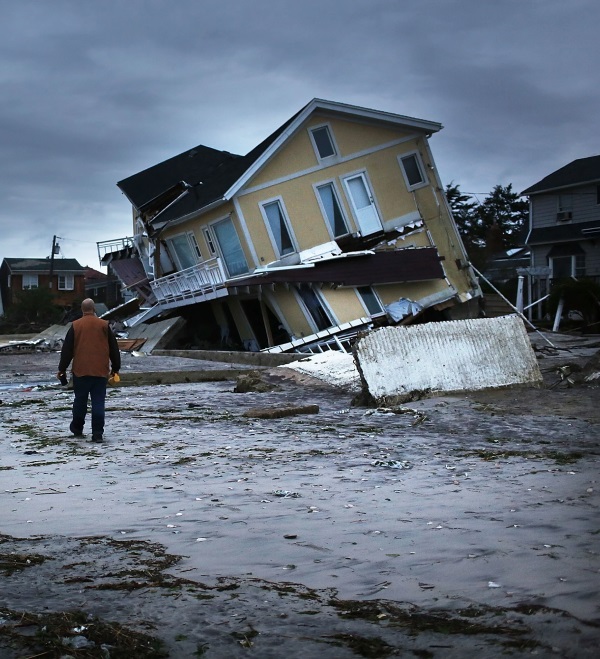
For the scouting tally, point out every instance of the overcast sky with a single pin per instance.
(93, 91)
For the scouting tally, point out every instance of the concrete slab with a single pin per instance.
(402, 363)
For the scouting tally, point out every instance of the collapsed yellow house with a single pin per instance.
(335, 223)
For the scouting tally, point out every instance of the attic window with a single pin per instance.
(323, 142)
(413, 170)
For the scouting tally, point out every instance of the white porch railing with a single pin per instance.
(109, 246)
(205, 281)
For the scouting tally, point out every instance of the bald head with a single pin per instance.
(88, 306)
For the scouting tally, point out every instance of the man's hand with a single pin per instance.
(63, 378)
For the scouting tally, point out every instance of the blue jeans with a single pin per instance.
(84, 387)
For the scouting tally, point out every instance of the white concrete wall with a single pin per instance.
(458, 355)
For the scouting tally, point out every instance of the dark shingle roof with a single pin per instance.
(207, 172)
(582, 170)
(197, 178)
(563, 233)
(43, 265)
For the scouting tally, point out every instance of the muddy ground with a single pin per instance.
(447, 527)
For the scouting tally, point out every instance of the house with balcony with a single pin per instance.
(564, 226)
(336, 222)
(65, 278)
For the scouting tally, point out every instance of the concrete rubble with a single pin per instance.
(397, 364)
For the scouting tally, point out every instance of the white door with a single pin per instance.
(363, 204)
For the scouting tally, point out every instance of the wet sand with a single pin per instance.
(450, 526)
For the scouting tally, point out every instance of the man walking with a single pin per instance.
(90, 344)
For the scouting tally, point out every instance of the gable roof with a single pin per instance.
(202, 177)
(578, 172)
(43, 265)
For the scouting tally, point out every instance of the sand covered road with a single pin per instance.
(343, 533)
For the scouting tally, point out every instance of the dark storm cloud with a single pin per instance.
(92, 92)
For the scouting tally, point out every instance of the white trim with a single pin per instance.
(246, 232)
(287, 222)
(192, 244)
(69, 282)
(224, 218)
(209, 240)
(320, 104)
(30, 285)
(551, 259)
(311, 322)
(316, 168)
(334, 157)
(338, 197)
(361, 300)
(360, 172)
(420, 166)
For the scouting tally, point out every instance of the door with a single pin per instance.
(231, 248)
(363, 204)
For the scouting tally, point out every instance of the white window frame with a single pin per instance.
(67, 283)
(577, 268)
(192, 244)
(334, 146)
(337, 197)
(308, 315)
(420, 166)
(287, 223)
(221, 253)
(210, 240)
(381, 311)
(30, 281)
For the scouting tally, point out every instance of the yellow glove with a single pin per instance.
(114, 378)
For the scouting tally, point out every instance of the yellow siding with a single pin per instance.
(344, 303)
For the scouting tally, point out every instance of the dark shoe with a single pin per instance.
(77, 432)
(97, 437)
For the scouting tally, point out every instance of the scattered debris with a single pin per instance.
(280, 412)
(392, 464)
(252, 381)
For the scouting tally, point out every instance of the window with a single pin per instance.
(279, 230)
(370, 300)
(565, 208)
(29, 282)
(315, 307)
(563, 267)
(209, 241)
(413, 171)
(66, 282)
(185, 250)
(323, 142)
(332, 210)
(565, 202)
(231, 248)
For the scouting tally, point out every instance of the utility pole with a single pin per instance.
(55, 249)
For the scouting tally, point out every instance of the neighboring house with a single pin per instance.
(564, 235)
(64, 277)
(335, 222)
(505, 266)
(103, 288)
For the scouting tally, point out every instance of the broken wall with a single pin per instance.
(399, 363)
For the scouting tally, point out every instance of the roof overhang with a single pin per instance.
(341, 109)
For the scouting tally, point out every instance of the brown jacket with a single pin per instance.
(91, 345)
